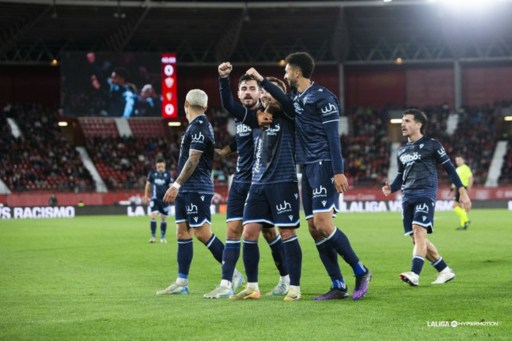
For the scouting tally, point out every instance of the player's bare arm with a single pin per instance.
(464, 200)
(386, 189)
(147, 193)
(222, 153)
(188, 169)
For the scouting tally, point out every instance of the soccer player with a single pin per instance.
(273, 198)
(193, 190)
(466, 177)
(417, 177)
(248, 93)
(319, 152)
(158, 183)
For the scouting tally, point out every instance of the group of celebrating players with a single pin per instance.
(275, 132)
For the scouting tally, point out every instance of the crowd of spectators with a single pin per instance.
(42, 158)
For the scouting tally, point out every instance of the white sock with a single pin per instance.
(295, 287)
(225, 283)
(285, 280)
(182, 281)
(253, 286)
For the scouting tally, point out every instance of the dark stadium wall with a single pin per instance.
(206, 78)
(486, 84)
(430, 86)
(30, 84)
(375, 87)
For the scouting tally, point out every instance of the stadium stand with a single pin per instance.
(506, 170)
(103, 127)
(43, 159)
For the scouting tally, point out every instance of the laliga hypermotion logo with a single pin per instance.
(284, 207)
(329, 109)
(322, 191)
(198, 138)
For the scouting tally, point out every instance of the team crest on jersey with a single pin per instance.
(421, 146)
(422, 208)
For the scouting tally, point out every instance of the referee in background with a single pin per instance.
(466, 177)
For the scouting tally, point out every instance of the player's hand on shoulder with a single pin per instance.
(386, 189)
(225, 69)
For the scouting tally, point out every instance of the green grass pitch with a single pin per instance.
(95, 278)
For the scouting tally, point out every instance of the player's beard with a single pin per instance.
(251, 104)
(292, 83)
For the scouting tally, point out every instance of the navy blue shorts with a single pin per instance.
(236, 200)
(418, 211)
(273, 205)
(193, 208)
(318, 191)
(159, 206)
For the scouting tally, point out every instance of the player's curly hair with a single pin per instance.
(419, 117)
(303, 61)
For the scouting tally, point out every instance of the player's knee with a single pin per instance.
(234, 230)
(288, 233)
(269, 234)
(251, 232)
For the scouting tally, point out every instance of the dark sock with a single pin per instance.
(279, 256)
(216, 247)
(163, 229)
(185, 254)
(329, 258)
(251, 257)
(439, 264)
(152, 225)
(342, 246)
(294, 259)
(229, 258)
(417, 264)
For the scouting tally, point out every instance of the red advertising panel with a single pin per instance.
(169, 86)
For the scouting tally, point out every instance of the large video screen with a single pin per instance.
(119, 85)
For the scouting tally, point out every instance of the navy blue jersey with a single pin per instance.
(417, 166)
(199, 137)
(316, 123)
(244, 134)
(159, 183)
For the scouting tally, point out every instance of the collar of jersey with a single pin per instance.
(197, 117)
(303, 92)
(421, 138)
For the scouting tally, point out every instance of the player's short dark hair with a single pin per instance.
(122, 72)
(279, 82)
(303, 61)
(246, 78)
(419, 116)
(160, 160)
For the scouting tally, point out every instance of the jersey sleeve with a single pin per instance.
(440, 154)
(327, 108)
(151, 179)
(200, 137)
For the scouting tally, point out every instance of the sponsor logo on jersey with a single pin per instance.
(284, 207)
(192, 209)
(441, 152)
(422, 208)
(243, 130)
(160, 182)
(273, 131)
(320, 192)
(198, 138)
(410, 157)
(329, 110)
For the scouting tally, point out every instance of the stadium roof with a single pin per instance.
(257, 32)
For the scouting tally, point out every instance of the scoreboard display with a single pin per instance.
(169, 86)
